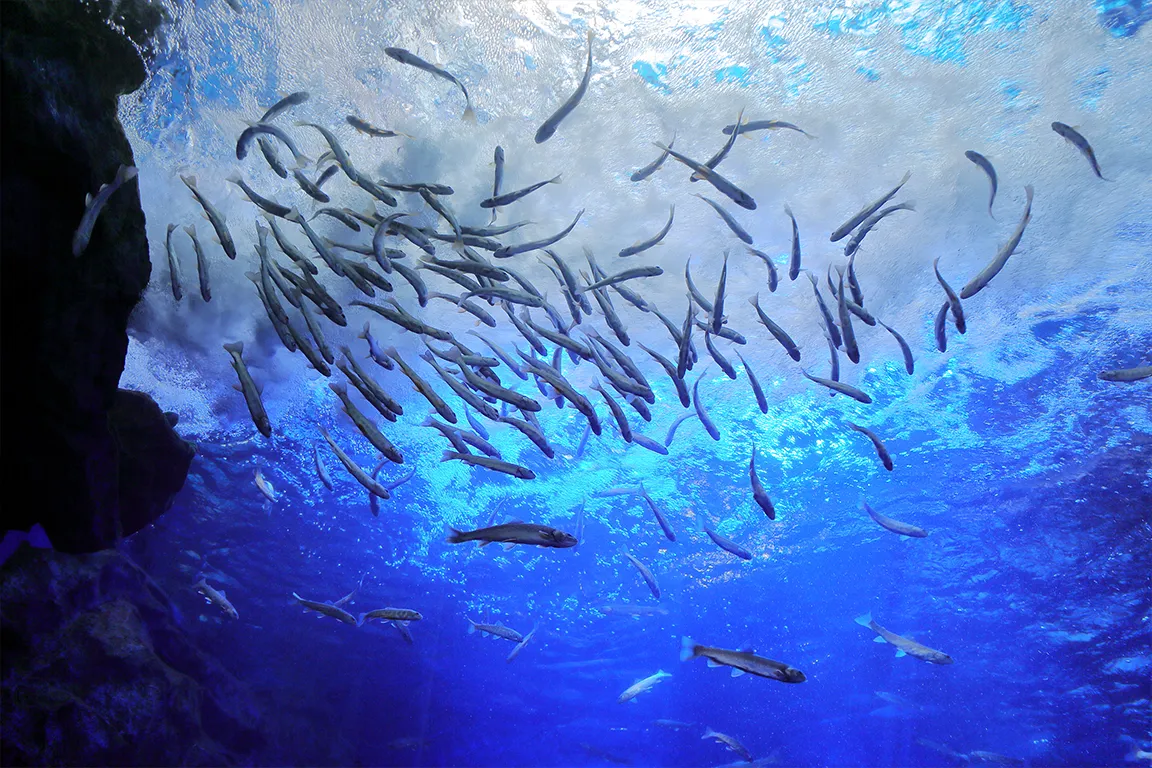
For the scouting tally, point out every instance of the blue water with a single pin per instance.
(1031, 476)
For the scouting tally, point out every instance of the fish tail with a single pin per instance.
(865, 620)
(687, 648)
(235, 346)
(469, 115)
(455, 536)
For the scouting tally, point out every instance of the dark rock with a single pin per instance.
(97, 671)
(62, 67)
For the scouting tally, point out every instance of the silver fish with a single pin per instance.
(881, 451)
(249, 389)
(94, 204)
(904, 646)
(644, 245)
(1077, 140)
(887, 523)
(545, 131)
(843, 230)
(985, 165)
(728, 219)
(975, 284)
(740, 662)
(214, 217)
(173, 271)
(411, 59)
(646, 574)
(758, 492)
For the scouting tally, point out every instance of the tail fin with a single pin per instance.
(235, 346)
(687, 648)
(126, 173)
(469, 115)
(865, 620)
(360, 619)
(471, 626)
(367, 330)
(455, 536)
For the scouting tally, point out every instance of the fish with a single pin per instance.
(727, 367)
(909, 363)
(1126, 374)
(717, 309)
(201, 264)
(531, 430)
(510, 396)
(521, 645)
(728, 741)
(713, 432)
(365, 425)
(953, 299)
(763, 125)
(627, 274)
(219, 598)
(1077, 140)
(858, 237)
(515, 532)
(354, 469)
(722, 153)
(374, 350)
(271, 206)
(887, 523)
(321, 469)
(881, 451)
(214, 217)
(904, 646)
(316, 332)
(794, 259)
(653, 166)
(450, 433)
(985, 165)
(939, 328)
(670, 369)
(249, 389)
(646, 442)
(842, 231)
(504, 356)
(777, 332)
(676, 425)
(412, 60)
(390, 614)
(305, 347)
(290, 250)
(758, 492)
(499, 201)
(93, 205)
(641, 686)
(740, 662)
(289, 101)
(498, 176)
(254, 130)
(173, 270)
(728, 219)
(829, 323)
(341, 216)
(327, 609)
(761, 401)
(549, 126)
(511, 250)
(646, 574)
(838, 386)
(726, 543)
(264, 486)
(497, 465)
(406, 321)
(663, 522)
(721, 184)
(423, 387)
(363, 126)
(402, 628)
(317, 242)
(846, 331)
(495, 630)
(773, 276)
(624, 609)
(977, 283)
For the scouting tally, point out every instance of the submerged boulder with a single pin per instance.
(63, 66)
(97, 671)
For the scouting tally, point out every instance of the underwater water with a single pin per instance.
(1031, 475)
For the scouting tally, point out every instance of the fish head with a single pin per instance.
(936, 657)
(791, 675)
(560, 539)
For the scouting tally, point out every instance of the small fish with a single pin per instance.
(845, 228)
(496, 465)
(758, 492)
(842, 388)
(717, 309)
(264, 486)
(646, 574)
(499, 201)
(749, 126)
(887, 523)
(254, 130)
(219, 598)
(411, 59)
(975, 284)
(495, 630)
(374, 350)
(985, 165)
(341, 216)
(727, 367)
(881, 451)
(173, 271)
(713, 432)
(728, 741)
(390, 614)
(317, 242)
(660, 519)
(624, 609)
(676, 425)
(740, 662)
(904, 646)
(909, 363)
(249, 389)
(1077, 140)
(214, 217)
(327, 609)
(653, 166)
(953, 299)
(289, 101)
(646, 442)
(794, 260)
(422, 386)
(271, 206)
(402, 628)
(515, 533)
(829, 323)
(644, 245)
(939, 328)
(520, 646)
(670, 369)
(1126, 374)
(773, 276)
(722, 185)
(722, 153)
(367, 128)
(869, 223)
(498, 176)
(728, 219)
(545, 131)
(777, 332)
(627, 274)
(93, 206)
(846, 331)
(370, 484)
(726, 543)
(641, 686)
(268, 149)
(761, 401)
(617, 412)
(365, 425)
(321, 469)
(536, 245)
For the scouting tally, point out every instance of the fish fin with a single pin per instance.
(508, 545)
(483, 543)
(737, 672)
(297, 596)
(687, 648)
(865, 620)
(454, 535)
(879, 639)
(713, 663)
(469, 115)
(900, 653)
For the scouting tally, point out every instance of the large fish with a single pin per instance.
(515, 533)
(740, 662)
(904, 646)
